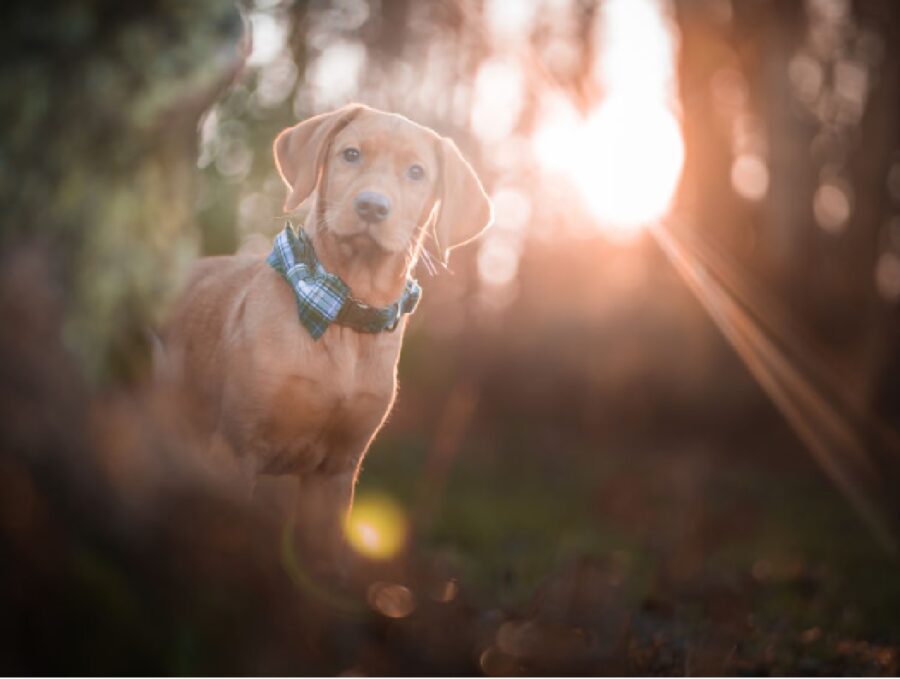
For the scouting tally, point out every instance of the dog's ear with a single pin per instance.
(465, 210)
(300, 151)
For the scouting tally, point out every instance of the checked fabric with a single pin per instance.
(323, 298)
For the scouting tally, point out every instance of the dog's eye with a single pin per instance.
(415, 172)
(351, 155)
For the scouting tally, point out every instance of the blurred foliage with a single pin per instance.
(99, 103)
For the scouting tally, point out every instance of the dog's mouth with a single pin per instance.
(361, 240)
(363, 243)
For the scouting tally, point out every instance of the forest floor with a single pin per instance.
(688, 558)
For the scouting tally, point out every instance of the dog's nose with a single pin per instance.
(371, 206)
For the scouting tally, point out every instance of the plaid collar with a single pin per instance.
(323, 298)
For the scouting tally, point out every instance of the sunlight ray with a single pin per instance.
(819, 419)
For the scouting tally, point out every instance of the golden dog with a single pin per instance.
(261, 388)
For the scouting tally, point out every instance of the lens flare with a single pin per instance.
(376, 527)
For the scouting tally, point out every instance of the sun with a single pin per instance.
(632, 163)
(627, 154)
(625, 159)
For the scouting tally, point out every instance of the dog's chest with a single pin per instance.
(322, 411)
(353, 384)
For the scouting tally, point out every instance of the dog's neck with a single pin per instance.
(375, 277)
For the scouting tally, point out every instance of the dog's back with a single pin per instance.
(194, 339)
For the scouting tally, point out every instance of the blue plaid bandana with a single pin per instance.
(323, 298)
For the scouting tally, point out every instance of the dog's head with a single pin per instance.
(381, 181)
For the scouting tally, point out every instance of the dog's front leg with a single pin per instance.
(323, 501)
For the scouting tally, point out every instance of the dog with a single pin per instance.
(270, 397)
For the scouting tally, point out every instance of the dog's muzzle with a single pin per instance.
(372, 207)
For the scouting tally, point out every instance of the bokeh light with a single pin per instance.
(391, 600)
(376, 527)
(498, 99)
(636, 55)
(268, 38)
(750, 177)
(887, 276)
(832, 206)
(334, 76)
